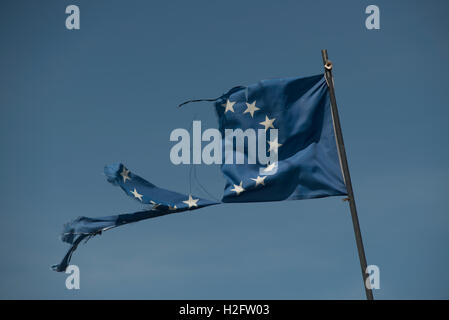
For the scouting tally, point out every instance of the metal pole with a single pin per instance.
(345, 168)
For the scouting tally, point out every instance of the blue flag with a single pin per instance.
(289, 119)
(307, 163)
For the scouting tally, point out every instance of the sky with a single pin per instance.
(72, 101)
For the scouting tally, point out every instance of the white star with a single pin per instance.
(136, 194)
(238, 188)
(274, 145)
(191, 202)
(270, 167)
(259, 180)
(229, 106)
(124, 174)
(155, 205)
(268, 123)
(251, 108)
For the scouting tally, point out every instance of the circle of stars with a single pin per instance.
(268, 123)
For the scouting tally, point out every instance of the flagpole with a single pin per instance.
(345, 169)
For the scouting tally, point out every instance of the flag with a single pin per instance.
(308, 163)
(292, 120)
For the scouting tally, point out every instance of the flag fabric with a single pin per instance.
(307, 162)
(161, 202)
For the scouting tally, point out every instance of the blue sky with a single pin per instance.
(73, 101)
